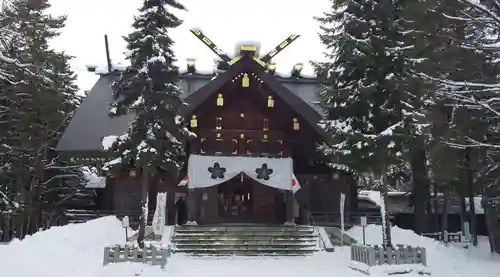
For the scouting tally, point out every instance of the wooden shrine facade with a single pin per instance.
(245, 111)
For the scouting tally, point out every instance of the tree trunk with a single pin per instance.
(463, 209)
(493, 225)
(387, 223)
(420, 192)
(143, 220)
(381, 179)
(470, 192)
(444, 215)
(436, 208)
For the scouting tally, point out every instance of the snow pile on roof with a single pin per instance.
(370, 195)
(92, 177)
(239, 44)
(107, 142)
(445, 261)
(102, 69)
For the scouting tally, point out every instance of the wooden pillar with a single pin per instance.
(192, 203)
(289, 206)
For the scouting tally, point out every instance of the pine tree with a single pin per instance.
(148, 89)
(42, 98)
(368, 91)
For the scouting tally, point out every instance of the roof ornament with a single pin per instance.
(266, 59)
(226, 61)
(247, 48)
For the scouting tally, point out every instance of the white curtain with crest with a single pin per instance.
(207, 171)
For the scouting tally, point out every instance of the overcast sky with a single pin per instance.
(226, 22)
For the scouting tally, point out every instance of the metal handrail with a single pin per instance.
(315, 227)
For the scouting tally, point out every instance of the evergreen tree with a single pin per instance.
(371, 106)
(148, 89)
(41, 98)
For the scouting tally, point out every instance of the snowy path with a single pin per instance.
(76, 251)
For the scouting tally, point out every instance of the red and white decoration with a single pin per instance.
(183, 182)
(295, 184)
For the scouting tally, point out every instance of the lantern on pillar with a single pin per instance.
(296, 124)
(218, 123)
(270, 101)
(194, 121)
(245, 81)
(220, 100)
(265, 124)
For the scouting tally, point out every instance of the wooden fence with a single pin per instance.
(445, 236)
(375, 255)
(150, 254)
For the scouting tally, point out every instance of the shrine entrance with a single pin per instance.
(243, 200)
(236, 200)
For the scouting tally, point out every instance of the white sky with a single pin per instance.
(225, 22)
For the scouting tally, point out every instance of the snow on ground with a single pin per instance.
(77, 250)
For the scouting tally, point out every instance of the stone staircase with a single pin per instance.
(244, 240)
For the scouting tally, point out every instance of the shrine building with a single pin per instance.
(254, 159)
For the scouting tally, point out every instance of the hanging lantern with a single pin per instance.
(218, 123)
(194, 121)
(245, 81)
(270, 101)
(296, 124)
(265, 124)
(266, 137)
(220, 100)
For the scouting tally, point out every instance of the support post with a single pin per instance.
(289, 206)
(108, 56)
(192, 205)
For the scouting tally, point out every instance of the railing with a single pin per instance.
(332, 219)
(80, 216)
(445, 236)
(376, 255)
(150, 254)
(316, 229)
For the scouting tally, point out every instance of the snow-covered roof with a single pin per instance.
(94, 109)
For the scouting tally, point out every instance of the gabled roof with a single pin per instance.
(304, 109)
(91, 123)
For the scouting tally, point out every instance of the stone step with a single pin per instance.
(240, 240)
(239, 228)
(245, 234)
(243, 245)
(246, 240)
(245, 252)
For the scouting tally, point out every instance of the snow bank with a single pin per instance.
(61, 251)
(399, 236)
(76, 250)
